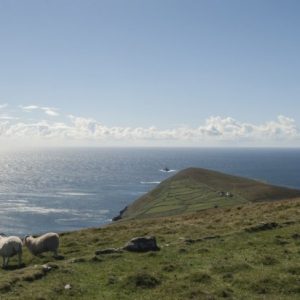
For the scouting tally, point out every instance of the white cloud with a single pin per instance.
(29, 108)
(50, 111)
(215, 130)
(3, 105)
(7, 117)
(228, 128)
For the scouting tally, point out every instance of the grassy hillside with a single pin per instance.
(213, 254)
(196, 189)
(248, 247)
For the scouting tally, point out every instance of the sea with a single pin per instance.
(68, 189)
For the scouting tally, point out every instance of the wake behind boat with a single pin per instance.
(167, 170)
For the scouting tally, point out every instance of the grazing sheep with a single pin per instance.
(10, 246)
(46, 242)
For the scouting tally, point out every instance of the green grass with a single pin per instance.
(198, 189)
(204, 255)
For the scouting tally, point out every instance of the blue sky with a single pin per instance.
(145, 64)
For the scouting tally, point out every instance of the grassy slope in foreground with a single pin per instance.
(233, 263)
(196, 189)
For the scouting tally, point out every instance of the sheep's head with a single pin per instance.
(2, 235)
(26, 239)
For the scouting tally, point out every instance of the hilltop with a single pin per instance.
(249, 249)
(196, 189)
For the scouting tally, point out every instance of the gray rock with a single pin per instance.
(77, 260)
(46, 268)
(142, 244)
(108, 251)
(262, 227)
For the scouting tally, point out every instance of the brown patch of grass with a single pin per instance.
(143, 280)
(200, 277)
(269, 260)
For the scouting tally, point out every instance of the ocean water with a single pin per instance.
(67, 189)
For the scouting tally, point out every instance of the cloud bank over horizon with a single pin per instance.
(39, 125)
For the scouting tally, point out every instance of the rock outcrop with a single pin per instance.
(142, 244)
(119, 216)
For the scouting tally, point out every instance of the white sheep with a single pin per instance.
(10, 246)
(46, 242)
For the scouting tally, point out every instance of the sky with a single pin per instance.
(150, 73)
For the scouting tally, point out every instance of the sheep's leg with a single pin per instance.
(5, 262)
(55, 254)
(20, 259)
(7, 259)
